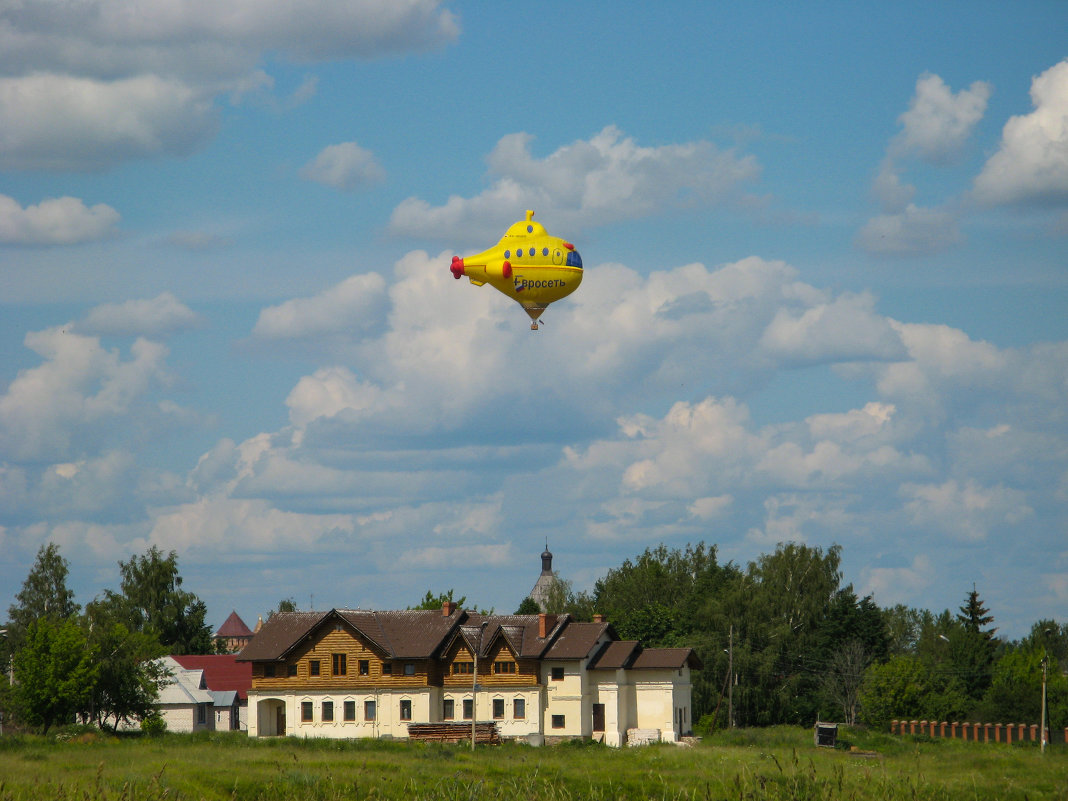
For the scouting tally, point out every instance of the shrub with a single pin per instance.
(154, 725)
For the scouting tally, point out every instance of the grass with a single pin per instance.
(775, 763)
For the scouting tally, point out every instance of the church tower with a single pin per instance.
(540, 593)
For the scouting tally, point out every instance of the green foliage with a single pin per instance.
(153, 725)
(432, 601)
(528, 606)
(44, 593)
(154, 602)
(897, 688)
(55, 670)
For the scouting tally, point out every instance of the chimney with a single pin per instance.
(545, 624)
(598, 618)
(448, 607)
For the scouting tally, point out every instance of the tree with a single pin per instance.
(894, 689)
(44, 593)
(972, 647)
(55, 670)
(845, 676)
(528, 606)
(156, 603)
(130, 674)
(432, 601)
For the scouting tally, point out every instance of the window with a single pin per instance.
(341, 664)
(448, 709)
(504, 667)
(557, 674)
(409, 669)
(558, 721)
(498, 708)
(467, 709)
(519, 708)
(313, 667)
(268, 671)
(364, 667)
(368, 710)
(387, 668)
(462, 667)
(306, 711)
(202, 713)
(406, 709)
(291, 670)
(328, 710)
(350, 710)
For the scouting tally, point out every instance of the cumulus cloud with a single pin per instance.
(76, 395)
(345, 166)
(352, 307)
(1031, 165)
(62, 221)
(913, 232)
(63, 122)
(939, 122)
(967, 511)
(589, 182)
(152, 317)
(89, 85)
(935, 130)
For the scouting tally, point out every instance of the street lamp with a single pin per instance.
(474, 683)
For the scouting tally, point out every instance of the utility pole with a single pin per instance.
(730, 679)
(474, 683)
(1045, 663)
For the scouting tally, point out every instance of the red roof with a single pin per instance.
(221, 672)
(233, 626)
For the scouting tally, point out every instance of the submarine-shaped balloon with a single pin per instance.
(529, 266)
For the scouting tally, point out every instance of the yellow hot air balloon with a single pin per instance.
(529, 266)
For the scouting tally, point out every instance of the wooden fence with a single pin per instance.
(978, 732)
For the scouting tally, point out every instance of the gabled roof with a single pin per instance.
(233, 626)
(410, 634)
(221, 672)
(183, 687)
(519, 631)
(577, 641)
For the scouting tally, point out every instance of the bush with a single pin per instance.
(154, 725)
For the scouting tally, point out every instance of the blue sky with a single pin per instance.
(824, 300)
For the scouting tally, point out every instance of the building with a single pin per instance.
(184, 701)
(543, 586)
(355, 673)
(233, 634)
(228, 681)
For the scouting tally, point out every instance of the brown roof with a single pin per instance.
(615, 655)
(411, 634)
(233, 626)
(576, 641)
(519, 631)
(665, 658)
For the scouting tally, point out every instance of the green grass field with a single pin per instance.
(776, 763)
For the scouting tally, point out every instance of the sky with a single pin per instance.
(825, 295)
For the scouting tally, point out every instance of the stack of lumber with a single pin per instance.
(485, 733)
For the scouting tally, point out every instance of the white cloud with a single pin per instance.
(354, 306)
(589, 182)
(151, 317)
(344, 166)
(900, 585)
(966, 511)
(89, 85)
(938, 122)
(61, 122)
(845, 328)
(914, 231)
(61, 221)
(77, 394)
(1032, 162)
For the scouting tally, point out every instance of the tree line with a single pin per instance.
(99, 664)
(783, 640)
